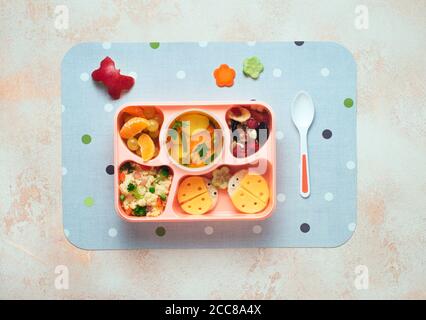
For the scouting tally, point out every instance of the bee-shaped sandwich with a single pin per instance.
(197, 195)
(248, 191)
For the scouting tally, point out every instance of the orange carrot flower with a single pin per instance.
(224, 76)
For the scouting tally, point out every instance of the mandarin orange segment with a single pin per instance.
(147, 147)
(133, 127)
(224, 76)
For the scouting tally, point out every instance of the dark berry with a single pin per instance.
(234, 125)
(259, 116)
(234, 128)
(239, 151)
(235, 151)
(263, 125)
(252, 123)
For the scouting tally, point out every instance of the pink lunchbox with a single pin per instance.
(264, 159)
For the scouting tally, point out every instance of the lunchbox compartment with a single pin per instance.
(119, 203)
(248, 136)
(216, 147)
(155, 113)
(224, 209)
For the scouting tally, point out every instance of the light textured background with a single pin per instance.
(390, 236)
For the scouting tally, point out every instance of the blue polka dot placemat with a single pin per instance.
(183, 72)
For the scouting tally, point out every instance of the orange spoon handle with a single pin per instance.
(305, 176)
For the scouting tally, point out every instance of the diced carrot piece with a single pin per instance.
(159, 202)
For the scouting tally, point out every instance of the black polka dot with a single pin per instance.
(326, 134)
(110, 169)
(160, 231)
(299, 43)
(304, 227)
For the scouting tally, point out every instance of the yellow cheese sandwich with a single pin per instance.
(249, 192)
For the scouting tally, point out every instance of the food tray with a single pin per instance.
(263, 160)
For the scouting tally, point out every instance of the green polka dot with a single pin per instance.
(88, 202)
(348, 103)
(160, 231)
(86, 139)
(154, 45)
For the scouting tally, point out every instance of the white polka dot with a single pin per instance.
(251, 43)
(279, 135)
(63, 108)
(203, 44)
(67, 233)
(133, 74)
(352, 226)
(277, 73)
(257, 229)
(106, 45)
(64, 171)
(112, 232)
(281, 197)
(328, 196)
(108, 107)
(208, 230)
(180, 74)
(350, 165)
(84, 76)
(325, 72)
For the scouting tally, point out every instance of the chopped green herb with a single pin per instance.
(197, 148)
(127, 167)
(163, 197)
(152, 189)
(137, 195)
(131, 187)
(164, 172)
(122, 197)
(156, 180)
(177, 124)
(139, 211)
(201, 149)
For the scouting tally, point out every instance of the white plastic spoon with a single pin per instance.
(302, 113)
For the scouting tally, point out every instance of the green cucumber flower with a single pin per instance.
(252, 67)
